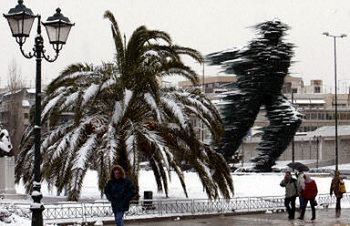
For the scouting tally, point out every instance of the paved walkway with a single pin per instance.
(324, 217)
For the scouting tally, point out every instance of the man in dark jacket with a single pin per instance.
(119, 191)
(337, 182)
(290, 184)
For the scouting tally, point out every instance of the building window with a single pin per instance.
(317, 89)
(321, 116)
(330, 116)
(313, 116)
(26, 115)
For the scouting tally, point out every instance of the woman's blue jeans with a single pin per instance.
(119, 218)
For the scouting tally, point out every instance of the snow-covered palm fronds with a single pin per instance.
(118, 114)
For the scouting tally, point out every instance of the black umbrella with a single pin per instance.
(298, 166)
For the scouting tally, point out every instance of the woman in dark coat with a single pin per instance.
(119, 191)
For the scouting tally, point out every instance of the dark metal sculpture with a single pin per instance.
(260, 69)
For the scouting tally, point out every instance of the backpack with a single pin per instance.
(342, 188)
(310, 190)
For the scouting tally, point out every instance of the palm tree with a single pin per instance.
(121, 114)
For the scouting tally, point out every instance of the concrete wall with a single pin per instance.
(7, 175)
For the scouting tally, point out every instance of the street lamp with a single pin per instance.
(335, 92)
(20, 20)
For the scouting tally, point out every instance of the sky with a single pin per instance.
(205, 25)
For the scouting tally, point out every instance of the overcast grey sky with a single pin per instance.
(205, 25)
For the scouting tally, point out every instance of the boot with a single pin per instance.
(313, 215)
(302, 213)
(337, 213)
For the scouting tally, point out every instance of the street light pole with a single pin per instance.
(293, 141)
(335, 93)
(20, 20)
(316, 138)
(203, 88)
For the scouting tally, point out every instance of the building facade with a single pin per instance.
(317, 146)
(318, 109)
(15, 113)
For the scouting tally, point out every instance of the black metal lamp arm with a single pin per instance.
(38, 50)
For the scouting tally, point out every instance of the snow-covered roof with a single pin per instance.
(31, 90)
(12, 92)
(25, 103)
(329, 131)
(309, 101)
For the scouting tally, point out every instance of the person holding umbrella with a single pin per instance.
(301, 168)
(338, 188)
(290, 184)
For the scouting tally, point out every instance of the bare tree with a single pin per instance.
(15, 81)
(13, 105)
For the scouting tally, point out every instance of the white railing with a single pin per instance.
(101, 210)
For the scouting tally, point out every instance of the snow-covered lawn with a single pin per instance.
(8, 218)
(253, 184)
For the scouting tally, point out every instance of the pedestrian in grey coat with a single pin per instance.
(290, 184)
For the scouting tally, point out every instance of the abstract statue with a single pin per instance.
(5, 143)
(260, 69)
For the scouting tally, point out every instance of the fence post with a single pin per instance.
(161, 206)
(192, 206)
(83, 213)
(249, 204)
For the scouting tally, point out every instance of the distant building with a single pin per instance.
(212, 84)
(311, 100)
(318, 145)
(15, 113)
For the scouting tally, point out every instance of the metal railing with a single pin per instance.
(92, 211)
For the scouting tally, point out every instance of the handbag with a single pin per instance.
(342, 188)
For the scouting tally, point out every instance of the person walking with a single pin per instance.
(119, 191)
(338, 188)
(308, 193)
(300, 184)
(290, 185)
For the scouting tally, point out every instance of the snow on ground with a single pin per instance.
(11, 219)
(16, 221)
(252, 184)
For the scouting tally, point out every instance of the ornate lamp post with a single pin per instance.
(20, 20)
(335, 92)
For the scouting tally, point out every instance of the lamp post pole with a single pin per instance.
(37, 218)
(20, 20)
(293, 141)
(335, 92)
(316, 138)
(203, 87)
